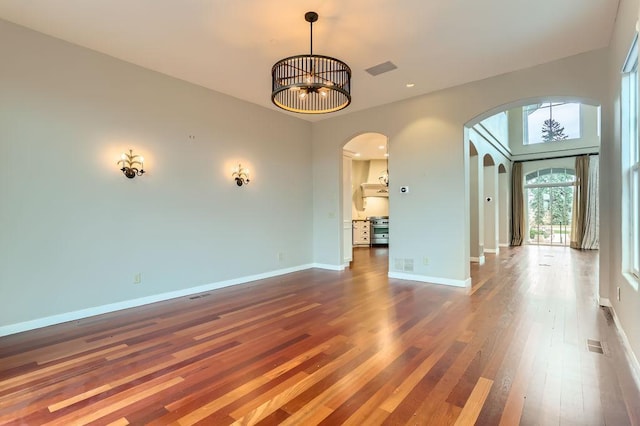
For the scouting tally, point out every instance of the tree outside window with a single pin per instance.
(551, 121)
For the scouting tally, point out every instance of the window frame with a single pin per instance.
(549, 105)
(630, 117)
(547, 171)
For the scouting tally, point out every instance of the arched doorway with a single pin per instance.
(540, 133)
(365, 194)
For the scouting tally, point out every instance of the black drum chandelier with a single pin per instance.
(311, 84)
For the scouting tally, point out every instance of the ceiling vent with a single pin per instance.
(381, 68)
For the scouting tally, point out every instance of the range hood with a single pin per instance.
(374, 190)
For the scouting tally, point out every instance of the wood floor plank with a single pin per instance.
(515, 401)
(95, 411)
(352, 347)
(472, 408)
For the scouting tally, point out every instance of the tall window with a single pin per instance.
(551, 121)
(631, 161)
(549, 204)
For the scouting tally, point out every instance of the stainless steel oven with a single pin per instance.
(379, 229)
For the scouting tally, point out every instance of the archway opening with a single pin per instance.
(365, 194)
(540, 133)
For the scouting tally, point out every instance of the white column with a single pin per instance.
(490, 209)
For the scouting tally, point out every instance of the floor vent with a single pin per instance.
(594, 346)
(543, 264)
(199, 296)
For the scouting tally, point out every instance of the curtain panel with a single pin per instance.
(591, 238)
(517, 205)
(578, 216)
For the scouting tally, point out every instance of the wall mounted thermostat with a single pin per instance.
(404, 189)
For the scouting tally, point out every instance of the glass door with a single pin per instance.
(550, 209)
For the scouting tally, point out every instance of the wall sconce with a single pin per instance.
(130, 163)
(241, 175)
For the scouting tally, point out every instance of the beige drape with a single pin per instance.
(580, 201)
(591, 237)
(517, 205)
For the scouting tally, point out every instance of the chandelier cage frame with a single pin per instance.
(311, 84)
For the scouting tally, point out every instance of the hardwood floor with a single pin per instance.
(353, 347)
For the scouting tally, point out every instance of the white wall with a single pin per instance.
(74, 230)
(627, 309)
(427, 133)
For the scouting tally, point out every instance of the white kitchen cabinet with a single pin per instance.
(361, 233)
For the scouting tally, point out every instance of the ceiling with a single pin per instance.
(230, 45)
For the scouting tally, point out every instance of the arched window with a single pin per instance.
(551, 175)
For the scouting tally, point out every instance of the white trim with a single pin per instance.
(329, 267)
(503, 245)
(432, 280)
(479, 260)
(632, 280)
(126, 304)
(603, 301)
(494, 251)
(631, 357)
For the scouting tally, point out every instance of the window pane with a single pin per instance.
(635, 220)
(630, 158)
(550, 122)
(555, 175)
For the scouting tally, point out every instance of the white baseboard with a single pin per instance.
(494, 251)
(479, 260)
(503, 245)
(432, 280)
(126, 304)
(329, 267)
(633, 360)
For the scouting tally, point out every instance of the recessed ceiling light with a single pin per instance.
(381, 147)
(357, 154)
(410, 84)
(386, 154)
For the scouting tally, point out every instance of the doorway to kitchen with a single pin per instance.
(365, 195)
